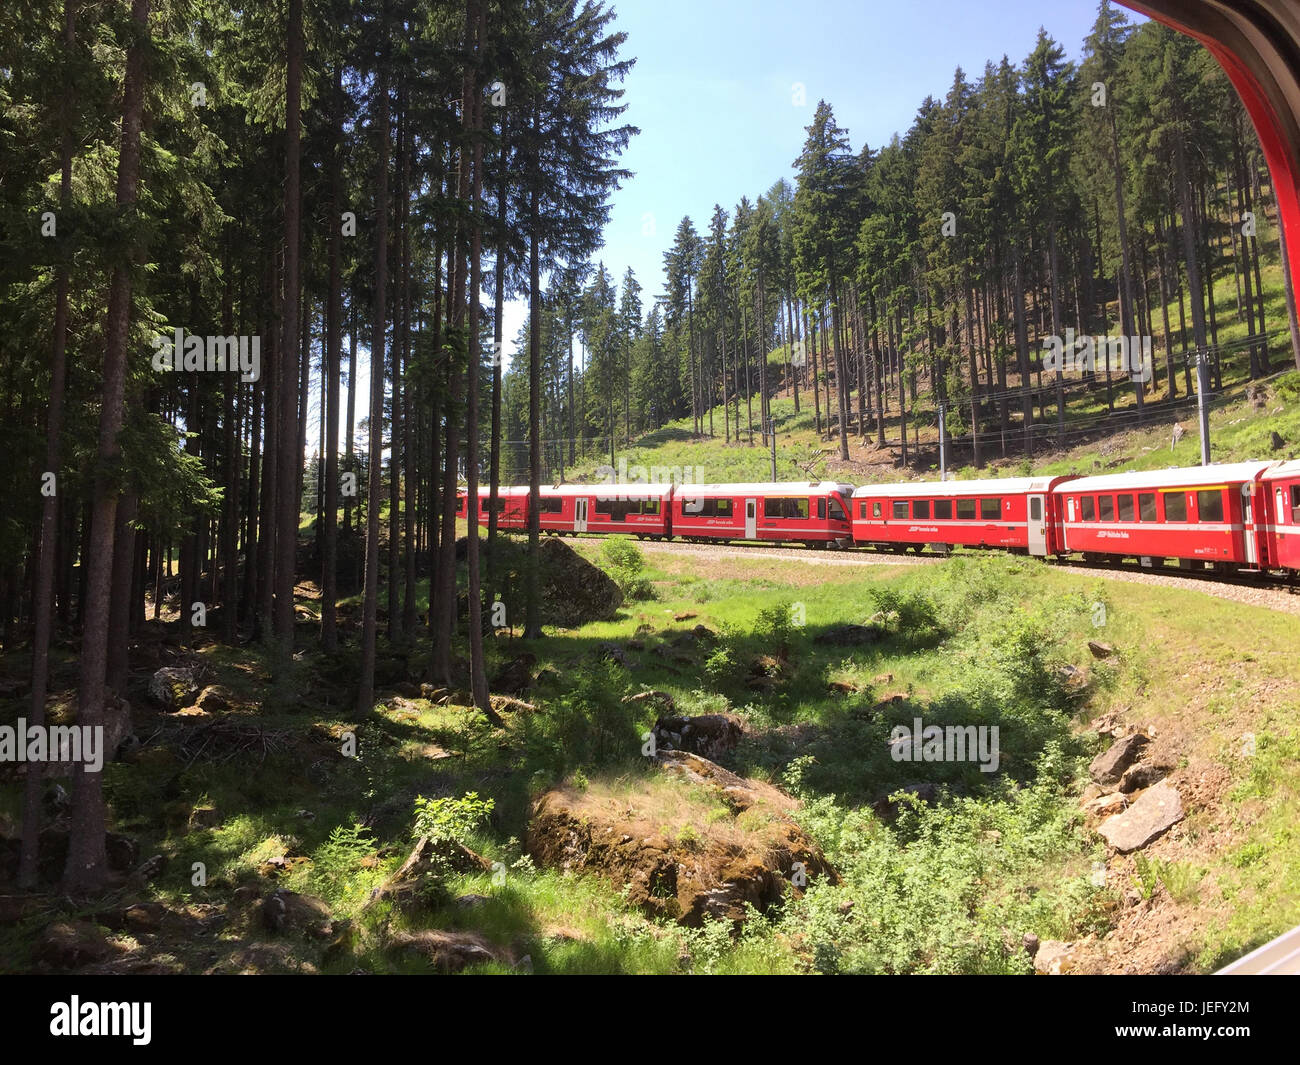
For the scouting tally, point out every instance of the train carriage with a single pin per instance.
(1014, 513)
(812, 513)
(512, 506)
(641, 510)
(1202, 516)
(1279, 532)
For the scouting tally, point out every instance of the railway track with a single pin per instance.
(1266, 590)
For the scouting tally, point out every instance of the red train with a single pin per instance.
(1238, 516)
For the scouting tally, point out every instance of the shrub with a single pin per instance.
(625, 564)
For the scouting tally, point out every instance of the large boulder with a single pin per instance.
(173, 687)
(711, 735)
(1108, 767)
(1155, 811)
(573, 591)
(682, 861)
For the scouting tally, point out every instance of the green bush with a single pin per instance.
(625, 564)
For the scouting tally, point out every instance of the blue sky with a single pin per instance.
(712, 92)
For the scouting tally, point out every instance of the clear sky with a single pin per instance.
(713, 92)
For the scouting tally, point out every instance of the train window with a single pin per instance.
(1105, 508)
(965, 509)
(862, 509)
(921, 508)
(721, 508)
(990, 509)
(772, 508)
(1124, 506)
(692, 506)
(1087, 509)
(1147, 506)
(875, 510)
(552, 506)
(604, 506)
(821, 507)
(1035, 509)
(1175, 506)
(649, 506)
(943, 509)
(1295, 502)
(460, 505)
(900, 508)
(1209, 504)
(837, 511)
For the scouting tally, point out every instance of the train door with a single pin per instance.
(1248, 525)
(1037, 526)
(751, 519)
(580, 515)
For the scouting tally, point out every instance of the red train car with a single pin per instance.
(641, 510)
(1015, 513)
(812, 513)
(512, 506)
(1279, 532)
(1205, 516)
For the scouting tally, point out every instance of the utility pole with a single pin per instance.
(943, 449)
(1202, 410)
(771, 432)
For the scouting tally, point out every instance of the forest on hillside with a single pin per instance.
(211, 213)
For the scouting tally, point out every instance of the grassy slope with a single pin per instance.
(950, 887)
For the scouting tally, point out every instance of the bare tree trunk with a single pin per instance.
(87, 863)
(43, 597)
(290, 455)
(370, 601)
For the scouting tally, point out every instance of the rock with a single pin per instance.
(72, 944)
(515, 678)
(685, 616)
(449, 952)
(1030, 942)
(1100, 650)
(612, 652)
(1275, 441)
(682, 870)
(215, 699)
(172, 687)
(850, 635)
(288, 912)
(1108, 767)
(202, 817)
(882, 678)
(1155, 811)
(137, 917)
(1142, 775)
(1105, 805)
(710, 735)
(149, 869)
(471, 902)
(1178, 433)
(842, 687)
(573, 591)
(1054, 957)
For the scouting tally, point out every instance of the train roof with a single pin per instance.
(1174, 477)
(1284, 471)
(634, 490)
(762, 488)
(997, 485)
